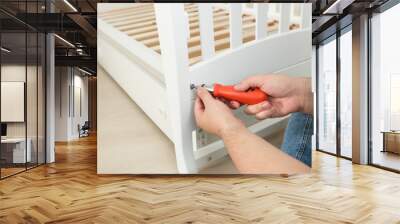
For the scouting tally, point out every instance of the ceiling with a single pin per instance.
(72, 20)
(329, 16)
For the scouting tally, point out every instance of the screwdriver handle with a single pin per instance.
(250, 97)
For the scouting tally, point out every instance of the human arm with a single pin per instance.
(249, 153)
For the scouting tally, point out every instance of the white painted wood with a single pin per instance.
(136, 51)
(274, 11)
(218, 154)
(306, 15)
(175, 65)
(261, 20)
(284, 18)
(249, 8)
(212, 158)
(235, 25)
(206, 30)
(271, 54)
(226, 6)
(146, 89)
(296, 15)
(301, 69)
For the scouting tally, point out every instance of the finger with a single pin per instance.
(198, 104)
(249, 82)
(234, 104)
(223, 100)
(198, 109)
(204, 95)
(257, 108)
(265, 114)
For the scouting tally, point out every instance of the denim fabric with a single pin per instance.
(297, 139)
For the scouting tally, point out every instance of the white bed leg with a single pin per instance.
(174, 52)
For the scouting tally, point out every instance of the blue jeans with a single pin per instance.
(297, 139)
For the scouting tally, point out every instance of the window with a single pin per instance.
(346, 94)
(394, 102)
(22, 76)
(385, 89)
(327, 96)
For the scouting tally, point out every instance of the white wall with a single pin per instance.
(62, 81)
(69, 82)
(11, 73)
(79, 117)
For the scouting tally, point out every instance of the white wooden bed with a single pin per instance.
(155, 51)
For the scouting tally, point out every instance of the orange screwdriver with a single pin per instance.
(249, 97)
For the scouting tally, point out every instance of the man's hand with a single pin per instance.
(286, 95)
(214, 116)
(250, 153)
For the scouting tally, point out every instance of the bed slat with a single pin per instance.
(284, 18)
(206, 30)
(306, 16)
(235, 25)
(261, 19)
(256, 21)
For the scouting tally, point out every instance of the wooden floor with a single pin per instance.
(387, 159)
(69, 191)
(11, 170)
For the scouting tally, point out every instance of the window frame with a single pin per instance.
(334, 37)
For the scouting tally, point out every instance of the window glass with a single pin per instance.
(15, 150)
(327, 97)
(345, 94)
(22, 91)
(385, 85)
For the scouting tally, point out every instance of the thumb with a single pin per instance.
(250, 82)
(204, 95)
(198, 110)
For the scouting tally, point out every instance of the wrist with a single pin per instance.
(305, 96)
(231, 130)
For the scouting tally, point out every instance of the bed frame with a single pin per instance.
(156, 51)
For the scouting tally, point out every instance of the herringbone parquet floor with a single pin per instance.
(69, 191)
